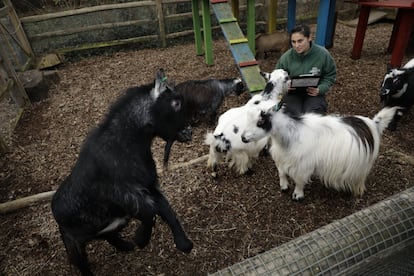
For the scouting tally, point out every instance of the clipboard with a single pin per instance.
(304, 81)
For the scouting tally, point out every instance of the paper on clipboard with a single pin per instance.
(305, 81)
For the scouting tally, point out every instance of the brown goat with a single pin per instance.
(278, 41)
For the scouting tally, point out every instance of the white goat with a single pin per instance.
(225, 142)
(340, 150)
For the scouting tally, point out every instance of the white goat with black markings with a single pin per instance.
(340, 150)
(225, 142)
(397, 89)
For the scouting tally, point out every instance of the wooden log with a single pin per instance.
(24, 202)
(36, 18)
(27, 201)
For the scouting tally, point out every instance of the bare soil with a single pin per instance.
(228, 219)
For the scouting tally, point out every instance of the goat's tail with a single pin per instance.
(384, 117)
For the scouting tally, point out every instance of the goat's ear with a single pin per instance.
(262, 118)
(160, 83)
(265, 75)
(171, 84)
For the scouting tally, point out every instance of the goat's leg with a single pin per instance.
(283, 180)
(392, 126)
(213, 159)
(167, 150)
(76, 252)
(212, 118)
(300, 183)
(115, 240)
(168, 215)
(358, 188)
(144, 231)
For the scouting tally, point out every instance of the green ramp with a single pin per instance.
(239, 46)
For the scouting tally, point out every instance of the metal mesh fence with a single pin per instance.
(340, 247)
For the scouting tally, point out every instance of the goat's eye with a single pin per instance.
(176, 105)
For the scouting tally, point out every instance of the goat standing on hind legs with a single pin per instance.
(225, 142)
(339, 150)
(115, 177)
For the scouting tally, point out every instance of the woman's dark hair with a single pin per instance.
(303, 29)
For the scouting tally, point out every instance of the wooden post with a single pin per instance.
(17, 91)
(195, 7)
(20, 34)
(235, 9)
(207, 32)
(251, 22)
(291, 15)
(160, 15)
(272, 16)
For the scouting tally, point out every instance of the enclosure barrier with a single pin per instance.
(340, 247)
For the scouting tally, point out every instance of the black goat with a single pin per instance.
(203, 98)
(397, 89)
(115, 178)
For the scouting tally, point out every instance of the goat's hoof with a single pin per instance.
(141, 242)
(126, 246)
(184, 245)
(284, 190)
(297, 198)
(264, 152)
(392, 128)
(142, 237)
(249, 172)
(214, 175)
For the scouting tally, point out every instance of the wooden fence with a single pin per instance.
(15, 55)
(152, 21)
(108, 25)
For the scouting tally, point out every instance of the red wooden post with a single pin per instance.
(405, 27)
(360, 31)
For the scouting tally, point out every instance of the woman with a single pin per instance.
(307, 58)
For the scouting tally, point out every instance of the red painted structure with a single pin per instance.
(403, 26)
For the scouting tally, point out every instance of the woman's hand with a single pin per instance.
(290, 88)
(312, 91)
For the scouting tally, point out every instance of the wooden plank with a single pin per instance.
(232, 31)
(248, 63)
(223, 12)
(17, 91)
(6, 88)
(90, 28)
(4, 11)
(88, 46)
(251, 76)
(18, 30)
(241, 52)
(227, 20)
(36, 18)
(239, 40)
